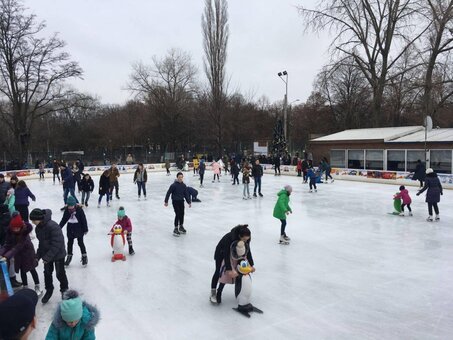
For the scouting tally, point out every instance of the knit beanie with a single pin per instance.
(288, 188)
(71, 308)
(37, 215)
(16, 221)
(429, 171)
(71, 201)
(10, 191)
(121, 212)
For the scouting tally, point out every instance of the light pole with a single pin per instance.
(288, 137)
(285, 102)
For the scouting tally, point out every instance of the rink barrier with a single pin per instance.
(369, 176)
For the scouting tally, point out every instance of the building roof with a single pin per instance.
(382, 134)
(435, 135)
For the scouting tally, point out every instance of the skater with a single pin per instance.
(10, 200)
(246, 181)
(404, 196)
(17, 315)
(104, 188)
(311, 175)
(125, 222)
(193, 194)
(140, 178)
(299, 167)
(419, 173)
(277, 165)
(257, 173)
(235, 172)
(216, 169)
(113, 178)
(56, 171)
(18, 245)
(223, 253)
(75, 319)
(282, 209)
(178, 192)
(201, 171)
(196, 164)
(327, 168)
(67, 178)
(13, 182)
(432, 184)
(87, 187)
(76, 228)
(4, 186)
(22, 194)
(305, 168)
(51, 250)
(167, 167)
(41, 171)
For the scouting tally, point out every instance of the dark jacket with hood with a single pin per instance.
(51, 240)
(84, 330)
(20, 247)
(104, 184)
(4, 187)
(178, 192)
(22, 195)
(86, 184)
(78, 229)
(432, 184)
(419, 173)
(257, 170)
(68, 178)
(223, 249)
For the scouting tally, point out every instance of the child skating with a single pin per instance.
(246, 172)
(87, 187)
(404, 196)
(282, 209)
(312, 179)
(179, 193)
(125, 222)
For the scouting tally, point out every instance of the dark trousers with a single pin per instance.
(312, 183)
(299, 173)
(257, 185)
(114, 185)
(58, 176)
(107, 197)
(83, 250)
(406, 205)
(236, 179)
(216, 276)
(201, 178)
(178, 206)
(68, 191)
(277, 168)
(141, 186)
(283, 227)
(23, 211)
(218, 178)
(61, 275)
(34, 275)
(430, 208)
(328, 174)
(41, 175)
(421, 183)
(168, 171)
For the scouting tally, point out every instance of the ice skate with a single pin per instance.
(176, 232)
(15, 283)
(213, 297)
(254, 195)
(108, 204)
(437, 219)
(38, 290)
(316, 190)
(430, 218)
(131, 250)
(283, 240)
(260, 194)
(310, 190)
(84, 260)
(68, 260)
(47, 296)
(145, 198)
(286, 237)
(138, 199)
(182, 230)
(410, 213)
(244, 197)
(99, 205)
(401, 214)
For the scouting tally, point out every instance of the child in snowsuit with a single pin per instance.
(87, 187)
(282, 209)
(404, 196)
(74, 319)
(77, 227)
(18, 245)
(126, 224)
(312, 179)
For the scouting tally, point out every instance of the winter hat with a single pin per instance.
(240, 248)
(37, 214)
(10, 191)
(17, 312)
(429, 171)
(288, 188)
(16, 221)
(71, 201)
(71, 308)
(121, 212)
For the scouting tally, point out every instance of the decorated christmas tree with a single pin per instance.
(279, 146)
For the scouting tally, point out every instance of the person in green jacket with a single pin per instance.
(282, 209)
(74, 319)
(10, 201)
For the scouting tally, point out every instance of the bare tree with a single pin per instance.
(32, 71)
(375, 33)
(215, 28)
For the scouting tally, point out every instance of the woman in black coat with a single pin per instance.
(223, 253)
(432, 184)
(419, 173)
(104, 188)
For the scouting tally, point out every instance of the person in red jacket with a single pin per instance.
(404, 196)
(126, 224)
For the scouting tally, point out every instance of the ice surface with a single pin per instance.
(351, 271)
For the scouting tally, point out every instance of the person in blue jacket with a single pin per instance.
(179, 193)
(311, 174)
(67, 178)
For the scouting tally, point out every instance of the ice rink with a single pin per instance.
(352, 271)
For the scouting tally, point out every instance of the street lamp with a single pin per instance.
(285, 102)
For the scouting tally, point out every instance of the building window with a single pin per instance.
(440, 161)
(412, 157)
(374, 159)
(338, 158)
(356, 159)
(396, 160)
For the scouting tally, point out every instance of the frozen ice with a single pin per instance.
(352, 271)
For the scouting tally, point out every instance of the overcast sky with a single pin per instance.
(107, 36)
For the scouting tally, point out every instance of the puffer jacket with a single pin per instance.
(282, 205)
(51, 240)
(20, 247)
